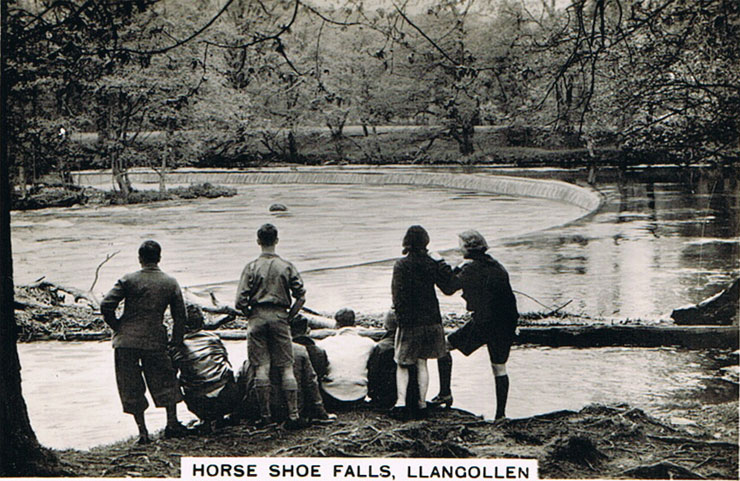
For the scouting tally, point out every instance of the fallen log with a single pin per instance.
(562, 336)
(719, 337)
(722, 308)
(662, 470)
(77, 294)
(692, 337)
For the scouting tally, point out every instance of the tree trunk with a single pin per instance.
(292, 148)
(20, 452)
(22, 181)
(162, 172)
(466, 141)
(120, 176)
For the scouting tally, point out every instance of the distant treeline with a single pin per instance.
(211, 83)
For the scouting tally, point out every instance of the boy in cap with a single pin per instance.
(488, 295)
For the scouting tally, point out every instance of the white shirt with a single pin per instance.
(348, 353)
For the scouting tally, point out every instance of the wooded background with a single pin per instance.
(167, 83)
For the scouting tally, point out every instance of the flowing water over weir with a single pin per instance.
(650, 247)
(544, 189)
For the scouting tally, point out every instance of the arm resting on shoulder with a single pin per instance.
(446, 279)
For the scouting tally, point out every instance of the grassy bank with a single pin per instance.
(42, 196)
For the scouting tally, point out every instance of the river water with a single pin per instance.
(206, 243)
(660, 241)
(73, 401)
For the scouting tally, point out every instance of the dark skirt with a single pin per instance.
(419, 342)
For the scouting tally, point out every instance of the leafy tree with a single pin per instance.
(54, 55)
(663, 73)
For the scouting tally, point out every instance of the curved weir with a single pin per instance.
(494, 184)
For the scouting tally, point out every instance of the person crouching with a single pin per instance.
(205, 374)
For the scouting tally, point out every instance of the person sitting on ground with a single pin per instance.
(206, 377)
(140, 340)
(310, 403)
(299, 330)
(345, 385)
(381, 370)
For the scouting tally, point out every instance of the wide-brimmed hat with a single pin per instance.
(473, 241)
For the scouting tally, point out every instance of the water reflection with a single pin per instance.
(73, 402)
(661, 241)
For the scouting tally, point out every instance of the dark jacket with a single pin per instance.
(319, 361)
(414, 278)
(487, 293)
(381, 375)
(147, 295)
(203, 363)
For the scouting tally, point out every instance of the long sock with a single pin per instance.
(402, 384)
(141, 423)
(444, 366)
(423, 381)
(502, 393)
(172, 415)
(291, 399)
(262, 390)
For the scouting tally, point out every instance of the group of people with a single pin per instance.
(288, 376)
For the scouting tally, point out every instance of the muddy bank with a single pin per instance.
(596, 442)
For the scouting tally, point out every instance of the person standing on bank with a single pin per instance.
(264, 296)
(420, 335)
(488, 296)
(140, 339)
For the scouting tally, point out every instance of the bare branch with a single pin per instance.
(97, 273)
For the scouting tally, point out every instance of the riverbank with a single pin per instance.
(697, 433)
(595, 442)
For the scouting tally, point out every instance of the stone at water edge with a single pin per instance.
(278, 208)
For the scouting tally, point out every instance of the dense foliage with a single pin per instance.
(163, 83)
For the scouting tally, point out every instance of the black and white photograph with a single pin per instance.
(410, 240)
